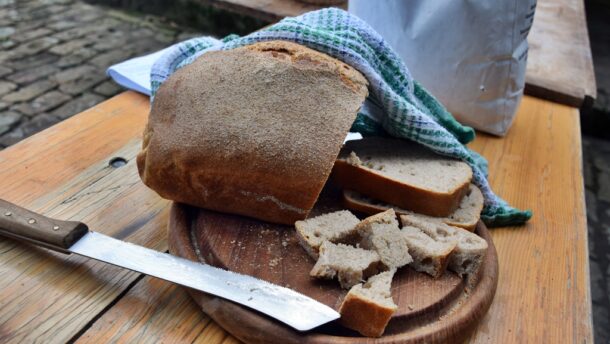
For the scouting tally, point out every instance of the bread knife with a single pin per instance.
(286, 305)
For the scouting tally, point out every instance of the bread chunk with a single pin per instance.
(349, 264)
(470, 248)
(337, 227)
(465, 216)
(368, 308)
(404, 174)
(381, 233)
(429, 256)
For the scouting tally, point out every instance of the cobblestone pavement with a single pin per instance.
(598, 12)
(596, 169)
(53, 57)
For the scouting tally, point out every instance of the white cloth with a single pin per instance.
(134, 74)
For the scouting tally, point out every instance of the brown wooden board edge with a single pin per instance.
(253, 327)
(543, 92)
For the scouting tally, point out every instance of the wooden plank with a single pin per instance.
(159, 312)
(41, 163)
(543, 291)
(63, 172)
(268, 10)
(560, 66)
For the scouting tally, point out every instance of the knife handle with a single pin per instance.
(22, 224)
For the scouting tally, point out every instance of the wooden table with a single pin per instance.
(543, 292)
(559, 68)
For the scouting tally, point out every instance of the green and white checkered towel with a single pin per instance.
(397, 105)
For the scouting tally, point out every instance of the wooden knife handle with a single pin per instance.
(22, 224)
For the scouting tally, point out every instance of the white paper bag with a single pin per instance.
(470, 55)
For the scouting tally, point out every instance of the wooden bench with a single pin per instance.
(543, 291)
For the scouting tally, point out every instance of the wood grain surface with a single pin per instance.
(159, 312)
(64, 173)
(429, 310)
(559, 64)
(543, 291)
(543, 287)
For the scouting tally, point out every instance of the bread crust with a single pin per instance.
(252, 131)
(368, 318)
(410, 197)
(443, 261)
(370, 208)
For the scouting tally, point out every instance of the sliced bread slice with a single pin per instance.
(381, 233)
(403, 173)
(429, 256)
(350, 264)
(465, 216)
(368, 308)
(470, 248)
(337, 227)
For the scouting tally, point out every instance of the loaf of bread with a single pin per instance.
(381, 233)
(252, 131)
(337, 227)
(470, 249)
(367, 308)
(404, 174)
(466, 215)
(349, 264)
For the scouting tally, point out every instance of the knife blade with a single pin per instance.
(286, 305)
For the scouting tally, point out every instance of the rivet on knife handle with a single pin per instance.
(22, 224)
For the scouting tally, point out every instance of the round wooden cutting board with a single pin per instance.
(430, 310)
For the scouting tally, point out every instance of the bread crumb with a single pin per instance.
(353, 159)
(274, 262)
(410, 307)
(284, 243)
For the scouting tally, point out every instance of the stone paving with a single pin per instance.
(596, 170)
(53, 57)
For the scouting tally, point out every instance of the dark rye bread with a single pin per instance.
(465, 216)
(252, 131)
(404, 174)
